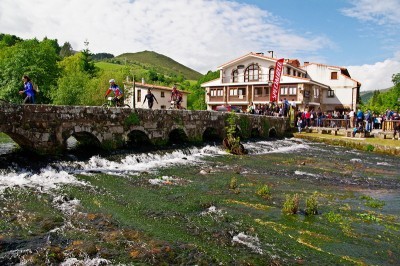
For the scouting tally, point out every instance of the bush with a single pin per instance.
(264, 191)
(233, 183)
(291, 205)
(312, 205)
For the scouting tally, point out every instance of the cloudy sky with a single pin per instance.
(362, 35)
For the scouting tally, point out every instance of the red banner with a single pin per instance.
(273, 97)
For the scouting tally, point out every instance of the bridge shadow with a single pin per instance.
(138, 140)
(211, 134)
(177, 136)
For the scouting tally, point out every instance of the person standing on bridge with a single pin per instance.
(118, 94)
(28, 90)
(150, 99)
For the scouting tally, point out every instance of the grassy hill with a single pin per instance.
(160, 63)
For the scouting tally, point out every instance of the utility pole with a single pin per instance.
(133, 88)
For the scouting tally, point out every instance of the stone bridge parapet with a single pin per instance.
(46, 128)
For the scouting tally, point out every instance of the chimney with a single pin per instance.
(306, 63)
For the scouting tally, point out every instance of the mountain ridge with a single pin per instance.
(160, 63)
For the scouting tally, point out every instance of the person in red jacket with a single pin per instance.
(118, 93)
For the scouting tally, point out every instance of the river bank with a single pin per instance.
(370, 144)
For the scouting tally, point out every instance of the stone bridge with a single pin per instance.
(45, 129)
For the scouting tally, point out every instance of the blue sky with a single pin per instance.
(362, 35)
(354, 41)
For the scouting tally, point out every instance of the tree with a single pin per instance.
(196, 98)
(36, 59)
(66, 50)
(102, 56)
(8, 40)
(71, 85)
(88, 64)
(380, 101)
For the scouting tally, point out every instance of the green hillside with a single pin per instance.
(158, 62)
(366, 95)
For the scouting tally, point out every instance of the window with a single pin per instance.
(252, 73)
(162, 94)
(216, 92)
(139, 96)
(233, 92)
(288, 91)
(235, 75)
(334, 75)
(316, 92)
(271, 74)
(163, 107)
(331, 93)
(241, 91)
(258, 91)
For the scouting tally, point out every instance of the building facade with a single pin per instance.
(248, 80)
(343, 91)
(136, 92)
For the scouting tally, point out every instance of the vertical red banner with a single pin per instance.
(273, 97)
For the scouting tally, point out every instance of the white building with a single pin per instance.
(137, 91)
(343, 90)
(248, 79)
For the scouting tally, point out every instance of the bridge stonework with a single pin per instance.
(46, 128)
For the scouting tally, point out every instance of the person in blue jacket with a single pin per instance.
(28, 90)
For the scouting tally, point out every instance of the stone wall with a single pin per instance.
(46, 128)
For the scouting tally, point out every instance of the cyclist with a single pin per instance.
(118, 93)
(177, 97)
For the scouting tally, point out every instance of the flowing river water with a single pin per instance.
(358, 192)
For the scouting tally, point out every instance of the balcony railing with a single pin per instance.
(249, 78)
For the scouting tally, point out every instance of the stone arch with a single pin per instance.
(138, 138)
(211, 134)
(21, 140)
(177, 136)
(272, 133)
(83, 139)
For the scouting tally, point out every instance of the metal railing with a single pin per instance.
(240, 78)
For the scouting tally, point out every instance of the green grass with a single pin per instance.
(109, 66)
(5, 138)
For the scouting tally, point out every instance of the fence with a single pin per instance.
(386, 125)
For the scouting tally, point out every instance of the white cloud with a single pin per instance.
(201, 34)
(380, 12)
(376, 76)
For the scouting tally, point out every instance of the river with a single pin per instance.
(358, 192)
